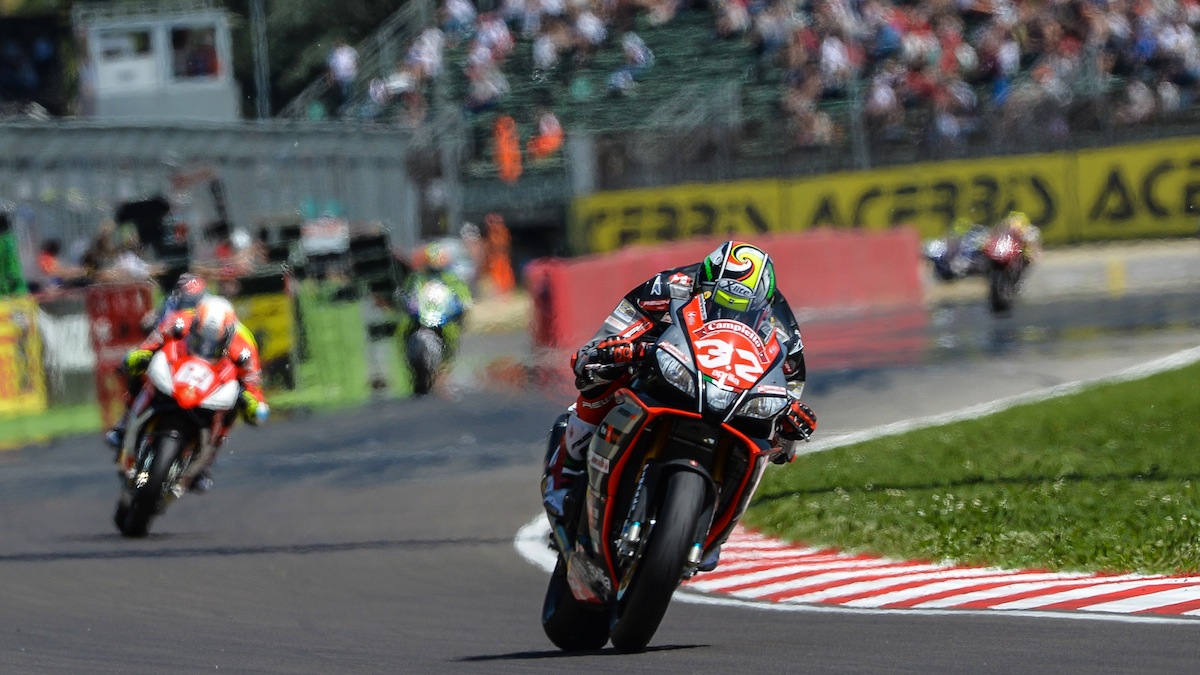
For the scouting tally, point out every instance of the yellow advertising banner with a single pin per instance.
(931, 196)
(269, 317)
(1137, 191)
(607, 221)
(1132, 191)
(22, 382)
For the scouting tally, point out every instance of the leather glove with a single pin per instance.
(137, 361)
(253, 410)
(798, 422)
(613, 352)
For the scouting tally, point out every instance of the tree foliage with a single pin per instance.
(300, 34)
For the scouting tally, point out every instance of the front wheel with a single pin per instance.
(656, 575)
(424, 351)
(571, 625)
(146, 500)
(1002, 287)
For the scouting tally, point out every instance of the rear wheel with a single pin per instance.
(572, 625)
(145, 502)
(658, 573)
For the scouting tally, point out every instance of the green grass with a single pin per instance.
(1104, 480)
(18, 431)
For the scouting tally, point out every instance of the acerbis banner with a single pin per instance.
(1126, 192)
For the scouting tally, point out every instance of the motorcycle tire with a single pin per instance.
(145, 501)
(1002, 290)
(424, 353)
(656, 575)
(572, 626)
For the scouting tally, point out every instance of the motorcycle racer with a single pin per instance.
(434, 264)
(212, 331)
(736, 276)
(188, 291)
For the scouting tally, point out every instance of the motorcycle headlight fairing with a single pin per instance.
(763, 407)
(675, 372)
(717, 397)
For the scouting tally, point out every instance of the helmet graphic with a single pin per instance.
(212, 328)
(189, 290)
(1018, 221)
(437, 258)
(738, 276)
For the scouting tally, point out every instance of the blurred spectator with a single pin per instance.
(500, 276)
(12, 282)
(475, 253)
(458, 20)
(638, 59)
(424, 58)
(506, 146)
(102, 251)
(343, 71)
(590, 33)
(53, 272)
(129, 265)
(486, 84)
(548, 138)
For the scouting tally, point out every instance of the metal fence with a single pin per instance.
(62, 179)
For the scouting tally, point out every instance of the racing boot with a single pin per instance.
(202, 483)
(561, 477)
(114, 437)
(566, 465)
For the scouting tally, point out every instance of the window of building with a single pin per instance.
(194, 52)
(118, 45)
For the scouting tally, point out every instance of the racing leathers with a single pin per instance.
(638, 318)
(242, 352)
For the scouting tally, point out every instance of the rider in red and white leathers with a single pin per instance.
(212, 331)
(735, 275)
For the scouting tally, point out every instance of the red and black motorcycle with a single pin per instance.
(1005, 253)
(670, 471)
(172, 430)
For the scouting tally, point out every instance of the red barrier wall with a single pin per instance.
(830, 272)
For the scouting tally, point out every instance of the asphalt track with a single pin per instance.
(381, 540)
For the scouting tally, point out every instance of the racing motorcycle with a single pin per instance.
(954, 257)
(670, 471)
(432, 306)
(1005, 254)
(172, 428)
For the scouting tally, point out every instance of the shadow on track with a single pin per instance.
(558, 654)
(231, 551)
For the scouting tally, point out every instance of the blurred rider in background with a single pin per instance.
(212, 331)
(1030, 236)
(433, 263)
(736, 276)
(188, 291)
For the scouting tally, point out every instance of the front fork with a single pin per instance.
(640, 520)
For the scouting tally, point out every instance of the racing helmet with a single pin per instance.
(212, 328)
(189, 290)
(437, 258)
(1018, 221)
(737, 277)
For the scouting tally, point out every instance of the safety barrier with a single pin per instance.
(823, 273)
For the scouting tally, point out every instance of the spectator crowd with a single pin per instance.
(943, 68)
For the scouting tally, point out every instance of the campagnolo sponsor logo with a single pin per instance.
(599, 463)
(772, 390)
